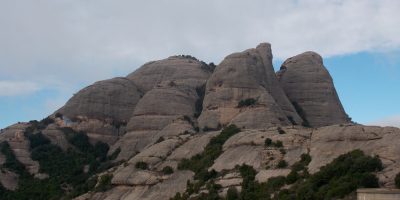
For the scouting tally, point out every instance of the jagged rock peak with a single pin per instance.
(310, 87)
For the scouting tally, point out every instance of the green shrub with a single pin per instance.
(246, 102)
(278, 144)
(248, 184)
(167, 170)
(232, 193)
(342, 176)
(282, 151)
(141, 165)
(201, 91)
(101, 150)
(11, 161)
(201, 162)
(282, 164)
(81, 141)
(64, 167)
(36, 140)
(58, 115)
(275, 183)
(305, 158)
(104, 183)
(44, 123)
(397, 180)
(281, 131)
(292, 177)
(115, 154)
(268, 142)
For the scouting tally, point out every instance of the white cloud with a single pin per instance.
(14, 88)
(79, 42)
(388, 121)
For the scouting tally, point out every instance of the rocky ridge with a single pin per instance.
(168, 111)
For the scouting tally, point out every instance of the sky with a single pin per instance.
(51, 49)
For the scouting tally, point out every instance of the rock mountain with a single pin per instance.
(168, 110)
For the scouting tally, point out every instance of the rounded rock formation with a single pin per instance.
(109, 99)
(310, 88)
(186, 68)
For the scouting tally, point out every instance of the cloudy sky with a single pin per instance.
(50, 49)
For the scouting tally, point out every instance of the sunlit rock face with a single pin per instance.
(310, 88)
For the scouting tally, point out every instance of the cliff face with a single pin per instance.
(168, 111)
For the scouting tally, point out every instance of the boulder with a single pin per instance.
(310, 88)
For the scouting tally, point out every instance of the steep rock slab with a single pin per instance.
(309, 86)
(109, 99)
(241, 76)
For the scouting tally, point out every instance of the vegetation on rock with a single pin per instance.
(302, 114)
(104, 183)
(201, 92)
(335, 180)
(246, 102)
(200, 163)
(167, 170)
(397, 180)
(282, 164)
(70, 172)
(141, 165)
